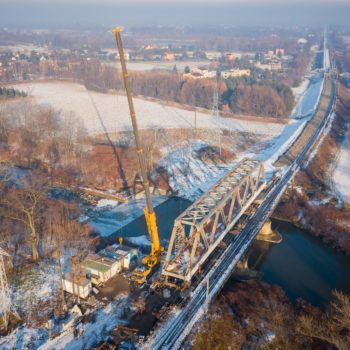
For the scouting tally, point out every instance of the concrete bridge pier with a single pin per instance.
(266, 234)
(244, 272)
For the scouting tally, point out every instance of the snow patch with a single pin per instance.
(107, 219)
(140, 241)
(102, 203)
(341, 175)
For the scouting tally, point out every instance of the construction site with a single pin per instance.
(132, 291)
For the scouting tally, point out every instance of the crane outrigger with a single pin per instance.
(154, 258)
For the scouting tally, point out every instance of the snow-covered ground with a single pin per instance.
(106, 320)
(341, 175)
(34, 286)
(188, 174)
(160, 65)
(306, 95)
(107, 219)
(108, 112)
(298, 91)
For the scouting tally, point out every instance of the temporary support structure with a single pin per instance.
(199, 230)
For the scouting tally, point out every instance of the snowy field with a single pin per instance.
(107, 112)
(160, 65)
(341, 175)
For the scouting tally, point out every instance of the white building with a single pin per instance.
(235, 73)
(80, 286)
(213, 55)
(101, 269)
(272, 66)
(126, 55)
(197, 73)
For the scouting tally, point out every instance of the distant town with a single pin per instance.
(28, 61)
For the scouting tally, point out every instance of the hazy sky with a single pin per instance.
(235, 12)
(167, 2)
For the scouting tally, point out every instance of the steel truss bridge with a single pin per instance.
(200, 229)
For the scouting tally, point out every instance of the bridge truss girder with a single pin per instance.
(199, 230)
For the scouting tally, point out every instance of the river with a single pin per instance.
(302, 264)
(166, 213)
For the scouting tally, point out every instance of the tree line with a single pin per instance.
(11, 92)
(260, 96)
(42, 149)
(256, 315)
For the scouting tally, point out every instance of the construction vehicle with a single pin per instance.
(154, 258)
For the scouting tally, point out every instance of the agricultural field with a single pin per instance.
(102, 112)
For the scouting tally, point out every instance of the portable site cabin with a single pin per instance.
(129, 254)
(123, 254)
(101, 268)
(80, 286)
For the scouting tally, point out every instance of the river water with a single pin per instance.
(302, 264)
(166, 213)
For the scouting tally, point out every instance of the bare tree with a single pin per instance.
(333, 327)
(26, 206)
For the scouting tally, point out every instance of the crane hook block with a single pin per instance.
(117, 30)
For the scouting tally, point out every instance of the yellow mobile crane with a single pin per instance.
(154, 257)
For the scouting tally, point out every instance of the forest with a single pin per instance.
(256, 315)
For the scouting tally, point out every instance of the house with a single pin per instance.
(279, 52)
(198, 73)
(230, 56)
(212, 55)
(126, 55)
(169, 56)
(273, 66)
(302, 41)
(78, 285)
(235, 73)
(276, 66)
(150, 47)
